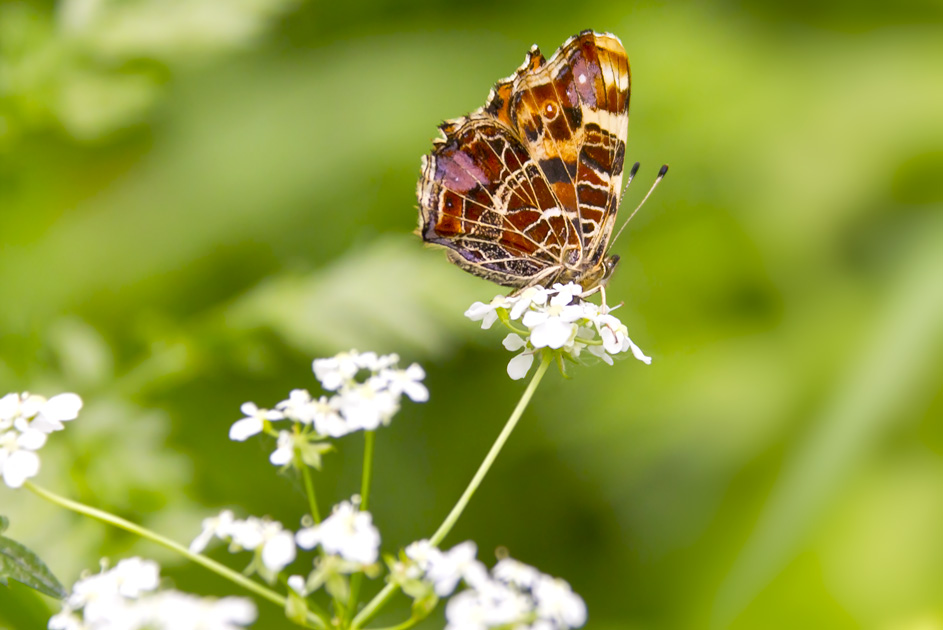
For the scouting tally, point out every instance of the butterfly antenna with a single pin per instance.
(632, 173)
(661, 176)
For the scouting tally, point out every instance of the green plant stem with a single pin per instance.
(409, 623)
(492, 455)
(147, 534)
(369, 441)
(381, 598)
(370, 438)
(309, 488)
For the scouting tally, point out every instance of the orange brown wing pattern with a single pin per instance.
(524, 191)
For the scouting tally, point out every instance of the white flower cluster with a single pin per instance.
(556, 319)
(273, 544)
(368, 391)
(348, 534)
(125, 597)
(25, 421)
(512, 595)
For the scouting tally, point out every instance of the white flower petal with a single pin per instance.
(20, 466)
(31, 439)
(514, 342)
(478, 310)
(417, 392)
(520, 365)
(600, 352)
(554, 333)
(243, 429)
(281, 456)
(534, 318)
(348, 533)
(307, 538)
(279, 551)
(63, 407)
(297, 584)
(638, 354)
(556, 602)
(238, 610)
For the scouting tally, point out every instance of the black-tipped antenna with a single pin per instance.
(661, 176)
(632, 173)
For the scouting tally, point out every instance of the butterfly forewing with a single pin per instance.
(526, 188)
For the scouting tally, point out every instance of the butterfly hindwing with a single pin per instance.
(525, 189)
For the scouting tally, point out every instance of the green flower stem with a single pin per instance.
(147, 534)
(523, 332)
(409, 623)
(309, 487)
(370, 438)
(374, 605)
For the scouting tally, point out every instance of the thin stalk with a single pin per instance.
(147, 534)
(368, 444)
(492, 455)
(409, 623)
(381, 598)
(369, 441)
(309, 488)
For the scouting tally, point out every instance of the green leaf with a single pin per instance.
(4, 523)
(19, 563)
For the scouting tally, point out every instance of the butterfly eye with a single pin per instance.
(550, 110)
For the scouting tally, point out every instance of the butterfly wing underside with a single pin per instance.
(525, 190)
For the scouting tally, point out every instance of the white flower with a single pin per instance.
(253, 423)
(327, 418)
(9, 410)
(447, 568)
(274, 544)
(366, 407)
(299, 406)
(554, 326)
(126, 598)
(531, 296)
(285, 449)
(173, 610)
(515, 595)
(556, 602)
(58, 409)
(66, 620)
(519, 365)
(488, 313)
(338, 370)
(562, 321)
(18, 461)
(496, 606)
(101, 595)
(31, 411)
(219, 526)
(278, 551)
(615, 336)
(297, 584)
(346, 532)
(408, 381)
(323, 413)
(515, 572)
(422, 552)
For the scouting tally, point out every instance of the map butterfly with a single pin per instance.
(524, 191)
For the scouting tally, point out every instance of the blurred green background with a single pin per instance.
(199, 196)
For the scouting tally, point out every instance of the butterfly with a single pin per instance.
(524, 191)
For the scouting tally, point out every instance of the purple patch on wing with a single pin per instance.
(458, 171)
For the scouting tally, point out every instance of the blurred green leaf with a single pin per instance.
(20, 564)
